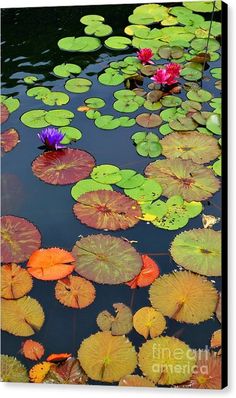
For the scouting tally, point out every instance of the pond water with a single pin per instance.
(29, 47)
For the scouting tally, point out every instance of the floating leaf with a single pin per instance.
(184, 296)
(66, 70)
(91, 19)
(147, 14)
(15, 281)
(184, 178)
(120, 324)
(9, 139)
(13, 370)
(174, 52)
(19, 238)
(118, 42)
(22, 317)
(11, 103)
(125, 121)
(171, 101)
(38, 372)
(183, 123)
(35, 118)
(81, 44)
(98, 29)
(106, 259)
(56, 98)
(32, 350)
(130, 179)
(75, 292)
(147, 144)
(50, 264)
(193, 145)
(158, 360)
(108, 210)
(69, 372)
(55, 358)
(107, 358)
(213, 123)
(216, 339)
(207, 372)
(148, 120)
(202, 6)
(30, 79)
(95, 103)
(78, 85)
(191, 74)
(149, 272)
(106, 174)
(148, 321)
(4, 114)
(72, 134)
(198, 250)
(88, 185)
(199, 95)
(38, 92)
(135, 381)
(216, 73)
(65, 166)
(149, 190)
(107, 122)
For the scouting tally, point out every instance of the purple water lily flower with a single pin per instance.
(51, 138)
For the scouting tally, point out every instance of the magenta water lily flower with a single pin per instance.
(51, 138)
(168, 75)
(145, 55)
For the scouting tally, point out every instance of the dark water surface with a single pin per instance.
(29, 47)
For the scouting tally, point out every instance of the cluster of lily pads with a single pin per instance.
(182, 136)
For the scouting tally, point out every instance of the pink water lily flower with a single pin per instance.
(161, 76)
(168, 75)
(173, 69)
(144, 55)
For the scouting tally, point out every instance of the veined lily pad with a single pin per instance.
(119, 324)
(147, 14)
(171, 101)
(106, 259)
(72, 134)
(95, 103)
(148, 191)
(9, 139)
(147, 144)
(191, 74)
(183, 123)
(75, 292)
(217, 167)
(107, 122)
(65, 70)
(11, 103)
(35, 118)
(125, 121)
(216, 73)
(98, 29)
(213, 123)
(106, 174)
(148, 120)
(15, 281)
(65, 166)
(13, 370)
(59, 117)
(111, 79)
(199, 95)
(91, 19)
(202, 6)
(80, 44)
(30, 79)
(38, 92)
(170, 52)
(108, 210)
(118, 42)
(78, 85)
(193, 145)
(148, 321)
(88, 185)
(198, 250)
(130, 179)
(184, 178)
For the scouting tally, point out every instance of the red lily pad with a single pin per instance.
(108, 210)
(106, 259)
(9, 139)
(19, 239)
(183, 177)
(4, 114)
(148, 120)
(62, 167)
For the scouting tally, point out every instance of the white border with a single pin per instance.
(37, 391)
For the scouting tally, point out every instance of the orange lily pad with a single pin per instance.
(16, 281)
(149, 272)
(32, 350)
(58, 357)
(75, 292)
(50, 264)
(38, 372)
(149, 322)
(216, 339)
(9, 139)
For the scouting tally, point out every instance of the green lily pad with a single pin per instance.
(78, 85)
(183, 123)
(214, 123)
(66, 70)
(88, 185)
(147, 144)
(95, 103)
(38, 92)
(93, 114)
(198, 250)
(167, 52)
(199, 95)
(148, 13)
(148, 120)
(72, 134)
(202, 6)
(217, 167)
(191, 74)
(165, 129)
(152, 106)
(191, 106)
(30, 79)
(170, 114)
(125, 106)
(118, 42)
(56, 98)
(107, 122)
(35, 118)
(201, 44)
(111, 79)
(170, 101)
(11, 103)
(59, 117)
(91, 19)
(125, 121)
(216, 73)
(106, 174)
(216, 103)
(148, 191)
(157, 208)
(130, 179)
(80, 44)
(98, 29)
(191, 19)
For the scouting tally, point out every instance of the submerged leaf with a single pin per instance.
(106, 259)
(75, 292)
(50, 264)
(107, 358)
(184, 296)
(15, 281)
(22, 317)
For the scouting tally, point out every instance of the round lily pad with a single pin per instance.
(191, 74)
(202, 6)
(93, 114)
(56, 98)
(216, 73)
(107, 122)
(148, 120)
(198, 250)
(95, 103)
(199, 95)
(98, 29)
(111, 79)
(147, 14)
(91, 19)
(78, 85)
(81, 44)
(184, 178)
(213, 123)
(88, 185)
(106, 174)
(65, 70)
(149, 190)
(72, 134)
(38, 92)
(170, 52)
(106, 259)
(183, 123)
(118, 42)
(59, 117)
(125, 121)
(130, 179)
(11, 103)
(170, 101)
(35, 118)
(30, 79)
(217, 167)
